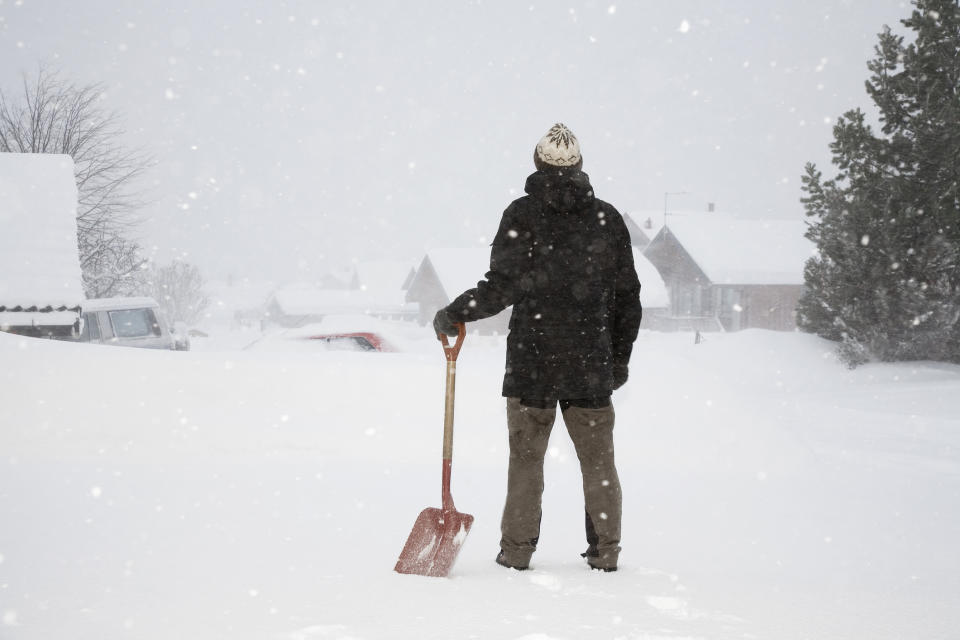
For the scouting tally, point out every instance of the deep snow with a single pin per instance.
(768, 493)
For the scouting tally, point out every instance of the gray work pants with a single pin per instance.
(592, 433)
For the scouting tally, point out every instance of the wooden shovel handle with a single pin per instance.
(451, 353)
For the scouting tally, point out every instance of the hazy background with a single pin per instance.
(294, 137)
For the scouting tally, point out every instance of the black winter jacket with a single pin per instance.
(563, 259)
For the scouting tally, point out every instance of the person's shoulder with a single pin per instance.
(522, 202)
(610, 213)
(606, 207)
(520, 207)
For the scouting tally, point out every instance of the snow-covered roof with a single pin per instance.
(39, 259)
(746, 251)
(460, 269)
(109, 304)
(653, 291)
(340, 323)
(383, 275)
(342, 277)
(303, 300)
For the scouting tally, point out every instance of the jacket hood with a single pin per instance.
(561, 189)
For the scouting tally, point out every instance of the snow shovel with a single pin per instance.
(438, 534)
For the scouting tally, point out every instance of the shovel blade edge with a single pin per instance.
(434, 543)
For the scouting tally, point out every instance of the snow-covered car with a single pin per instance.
(333, 333)
(358, 341)
(128, 322)
(300, 341)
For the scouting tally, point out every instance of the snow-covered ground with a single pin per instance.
(768, 493)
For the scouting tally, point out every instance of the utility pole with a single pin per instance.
(665, 196)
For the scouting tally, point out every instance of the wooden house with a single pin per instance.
(41, 288)
(725, 273)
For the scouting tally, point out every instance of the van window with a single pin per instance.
(91, 327)
(134, 323)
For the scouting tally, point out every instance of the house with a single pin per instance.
(375, 288)
(340, 278)
(296, 305)
(446, 273)
(41, 289)
(727, 273)
(443, 275)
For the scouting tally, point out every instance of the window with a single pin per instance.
(730, 310)
(94, 326)
(134, 323)
(682, 300)
(349, 343)
(91, 327)
(363, 344)
(345, 343)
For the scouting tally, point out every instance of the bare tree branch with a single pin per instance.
(52, 115)
(178, 288)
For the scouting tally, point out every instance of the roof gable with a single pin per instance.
(643, 226)
(459, 269)
(742, 251)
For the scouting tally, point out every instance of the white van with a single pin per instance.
(128, 322)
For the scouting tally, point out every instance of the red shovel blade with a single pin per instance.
(434, 543)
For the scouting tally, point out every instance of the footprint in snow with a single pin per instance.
(668, 605)
(547, 581)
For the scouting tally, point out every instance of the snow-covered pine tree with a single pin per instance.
(886, 281)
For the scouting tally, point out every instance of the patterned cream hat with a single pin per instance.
(559, 147)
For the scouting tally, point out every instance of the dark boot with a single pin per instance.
(592, 538)
(592, 554)
(503, 563)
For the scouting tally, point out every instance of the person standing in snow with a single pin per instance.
(563, 259)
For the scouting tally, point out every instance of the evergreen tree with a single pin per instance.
(886, 280)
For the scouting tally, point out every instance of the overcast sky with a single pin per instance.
(293, 137)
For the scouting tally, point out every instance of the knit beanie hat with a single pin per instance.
(558, 148)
